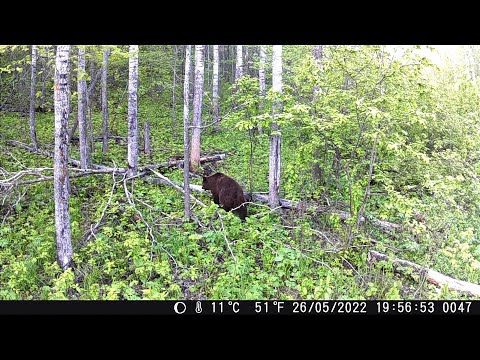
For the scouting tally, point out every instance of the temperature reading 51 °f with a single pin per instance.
(218, 307)
(265, 306)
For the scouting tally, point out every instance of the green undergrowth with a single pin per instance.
(145, 250)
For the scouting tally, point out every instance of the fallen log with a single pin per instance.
(343, 215)
(432, 276)
(167, 164)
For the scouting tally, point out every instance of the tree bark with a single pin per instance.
(60, 169)
(106, 54)
(197, 107)
(174, 100)
(275, 139)
(33, 135)
(239, 63)
(432, 276)
(82, 119)
(45, 73)
(132, 155)
(216, 110)
(186, 135)
(261, 79)
(317, 55)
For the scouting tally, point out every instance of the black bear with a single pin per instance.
(226, 193)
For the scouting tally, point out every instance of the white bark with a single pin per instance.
(317, 55)
(174, 88)
(275, 139)
(197, 106)
(106, 54)
(186, 135)
(239, 63)
(216, 110)
(261, 72)
(60, 169)
(82, 119)
(33, 135)
(132, 110)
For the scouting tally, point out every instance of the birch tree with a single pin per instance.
(60, 169)
(275, 139)
(216, 110)
(132, 110)
(239, 63)
(82, 118)
(317, 53)
(186, 135)
(33, 135)
(261, 80)
(174, 90)
(106, 54)
(197, 106)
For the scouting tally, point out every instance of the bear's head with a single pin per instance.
(206, 183)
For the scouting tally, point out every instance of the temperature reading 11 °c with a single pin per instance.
(218, 307)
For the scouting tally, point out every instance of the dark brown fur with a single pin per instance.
(226, 193)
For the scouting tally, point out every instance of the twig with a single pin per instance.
(225, 236)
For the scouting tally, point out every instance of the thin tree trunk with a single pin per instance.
(261, 79)
(247, 65)
(33, 135)
(132, 110)
(216, 110)
(239, 63)
(186, 135)
(82, 120)
(106, 54)
(197, 106)
(174, 100)
(275, 139)
(60, 169)
(317, 55)
(45, 70)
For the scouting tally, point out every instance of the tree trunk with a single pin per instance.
(261, 79)
(106, 54)
(275, 139)
(246, 61)
(45, 71)
(216, 110)
(186, 135)
(60, 169)
(317, 55)
(132, 110)
(174, 100)
(239, 63)
(82, 119)
(197, 107)
(33, 135)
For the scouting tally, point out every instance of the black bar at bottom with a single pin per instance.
(243, 307)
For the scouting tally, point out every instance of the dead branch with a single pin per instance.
(432, 276)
